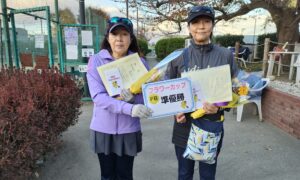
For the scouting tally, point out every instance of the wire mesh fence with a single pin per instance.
(32, 33)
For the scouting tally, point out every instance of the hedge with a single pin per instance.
(228, 40)
(165, 46)
(143, 45)
(35, 108)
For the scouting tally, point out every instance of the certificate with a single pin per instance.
(169, 97)
(130, 68)
(212, 85)
(114, 81)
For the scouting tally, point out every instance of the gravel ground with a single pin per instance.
(288, 87)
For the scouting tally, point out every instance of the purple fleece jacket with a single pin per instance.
(110, 115)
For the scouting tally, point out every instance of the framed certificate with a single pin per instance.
(169, 97)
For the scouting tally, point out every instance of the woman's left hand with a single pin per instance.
(126, 95)
(210, 108)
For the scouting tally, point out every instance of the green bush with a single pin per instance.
(261, 41)
(228, 40)
(143, 45)
(160, 48)
(165, 46)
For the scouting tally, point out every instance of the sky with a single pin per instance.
(34, 27)
(108, 5)
(245, 27)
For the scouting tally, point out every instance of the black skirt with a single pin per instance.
(121, 144)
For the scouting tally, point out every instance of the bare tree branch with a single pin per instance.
(284, 13)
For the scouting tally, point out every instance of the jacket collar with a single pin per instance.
(202, 48)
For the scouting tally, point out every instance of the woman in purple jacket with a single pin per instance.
(115, 127)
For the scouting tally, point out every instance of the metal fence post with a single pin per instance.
(59, 39)
(14, 34)
(6, 33)
(50, 48)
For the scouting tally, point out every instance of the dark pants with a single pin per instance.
(114, 167)
(186, 166)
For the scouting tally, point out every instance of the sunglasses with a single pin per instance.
(205, 9)
(115, 20)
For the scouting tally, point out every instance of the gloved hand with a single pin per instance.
(126, 95)
(141, 111)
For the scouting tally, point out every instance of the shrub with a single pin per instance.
(143, 45)
(165, 46)
(35, 108)
(160, 48)
(228, 40)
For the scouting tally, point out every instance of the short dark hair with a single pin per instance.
(133, 47)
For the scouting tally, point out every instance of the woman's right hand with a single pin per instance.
(126, 95)
(141, 111)
(180, 118)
